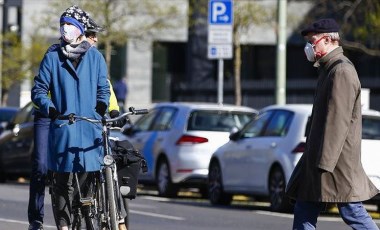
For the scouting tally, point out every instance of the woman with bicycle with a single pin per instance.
(76, 77)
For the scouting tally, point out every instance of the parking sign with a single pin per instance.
(220, 12)
(220, 25)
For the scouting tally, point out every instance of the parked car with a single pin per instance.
(259, 159)
(6, 114)
(16, 144)
(177, 140)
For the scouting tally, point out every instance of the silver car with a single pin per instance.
(259, 159)
(178, 139)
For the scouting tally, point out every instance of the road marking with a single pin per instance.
(320, 218)
(157, 215)
(155, 198)
(131, 211)
(24, 223)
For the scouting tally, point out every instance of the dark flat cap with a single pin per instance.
(326, 25)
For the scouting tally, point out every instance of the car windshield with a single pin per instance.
(371, 128)
(222, 121)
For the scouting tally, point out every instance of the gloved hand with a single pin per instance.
(101, 108)
(53, 113)
(118, 123)
(114, 113)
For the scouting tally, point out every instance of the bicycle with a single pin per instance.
(103, 209)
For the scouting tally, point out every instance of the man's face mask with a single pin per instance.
(309, 50)
(69, 33)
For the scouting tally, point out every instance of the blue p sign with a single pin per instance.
(220, 12)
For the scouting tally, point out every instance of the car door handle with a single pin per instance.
(248, 147)
(273, 145)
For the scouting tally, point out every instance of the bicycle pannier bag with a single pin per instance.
(129, 164)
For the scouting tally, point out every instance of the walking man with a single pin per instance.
(330, 170)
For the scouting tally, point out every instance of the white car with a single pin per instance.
(259, 159)
(178, 139)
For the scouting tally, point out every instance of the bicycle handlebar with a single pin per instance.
(72, 117)
(138, 111)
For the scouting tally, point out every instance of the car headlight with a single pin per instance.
(108, 160)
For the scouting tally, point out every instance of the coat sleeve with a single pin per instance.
(41, 87)
(344, 92)
(103, 89)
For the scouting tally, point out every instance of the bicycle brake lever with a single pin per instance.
(63, 124)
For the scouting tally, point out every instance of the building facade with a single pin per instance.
(172, 64)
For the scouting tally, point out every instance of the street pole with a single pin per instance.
(1, 49)
(220, 81)
(281, 53)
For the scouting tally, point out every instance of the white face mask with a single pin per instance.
(309, 51)
(69, 33)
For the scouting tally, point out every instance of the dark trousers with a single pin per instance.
(63, 190)
(39, 169)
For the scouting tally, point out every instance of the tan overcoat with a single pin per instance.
(330, 170)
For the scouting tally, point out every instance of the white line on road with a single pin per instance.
(157, 215)
(155, 198)
(131, 211)
(24, 223)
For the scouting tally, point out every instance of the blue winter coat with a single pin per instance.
(77, 147)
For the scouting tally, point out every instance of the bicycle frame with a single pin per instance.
(103, 210)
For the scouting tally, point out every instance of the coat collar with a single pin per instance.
(323, 62)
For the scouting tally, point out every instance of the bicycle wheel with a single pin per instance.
(93, 214)
(111, 199)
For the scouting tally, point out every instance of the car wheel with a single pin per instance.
(165, 186)
(277, 184)
(216, 194)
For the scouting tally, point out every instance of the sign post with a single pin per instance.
(220, 35)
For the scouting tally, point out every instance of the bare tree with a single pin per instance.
(19, 60)
(246, 14)
(359, 20)
(121, 19)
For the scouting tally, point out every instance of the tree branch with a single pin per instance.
(360, 47)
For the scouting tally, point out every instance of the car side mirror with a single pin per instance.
(234, 130)
(234, 136)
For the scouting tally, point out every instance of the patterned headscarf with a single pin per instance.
(77, 17)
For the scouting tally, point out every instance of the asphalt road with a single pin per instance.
(154, 213)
